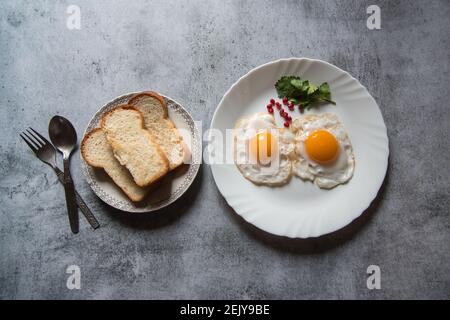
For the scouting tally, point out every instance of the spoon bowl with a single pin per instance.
(63, 135)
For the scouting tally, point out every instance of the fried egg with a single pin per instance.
(262, 152)
(323, 151)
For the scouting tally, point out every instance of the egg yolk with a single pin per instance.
(322, 146)
(262, 146)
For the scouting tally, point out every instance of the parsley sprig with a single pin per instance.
(302, 92)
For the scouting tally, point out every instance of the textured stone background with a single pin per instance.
(194, 51)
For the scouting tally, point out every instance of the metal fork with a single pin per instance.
(46, 152)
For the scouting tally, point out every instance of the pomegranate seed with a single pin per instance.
(278, 105)
(269, 106)
(270, 110)
(289, 118)
(285, 100)
(282, 112)
(286, 124)
(272, 101)
(291, 107)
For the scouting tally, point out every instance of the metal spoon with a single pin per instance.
(64, 138)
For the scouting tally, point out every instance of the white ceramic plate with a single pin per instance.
(171, 187)
(301, 209)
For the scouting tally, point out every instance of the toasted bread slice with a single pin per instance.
(133, 145)
(96, 151)
(156, 121)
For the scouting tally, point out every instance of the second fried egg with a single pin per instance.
(323, 151)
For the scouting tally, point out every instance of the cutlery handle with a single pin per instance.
(80, 202)
(69, 189)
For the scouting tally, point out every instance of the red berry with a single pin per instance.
(278, 105)
(270, 110)
(272, 101)
(286, 124)
(291, 107)
(282, 112)
(285, 100)
(269, 106)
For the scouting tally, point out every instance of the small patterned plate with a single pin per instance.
(172, 186)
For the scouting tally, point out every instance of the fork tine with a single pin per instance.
(37, 140)
(39, 135)
(35, 144)
(32, 147)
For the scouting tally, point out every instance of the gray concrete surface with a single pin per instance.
(193, 51)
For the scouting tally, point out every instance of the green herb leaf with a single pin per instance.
(305, 85)
(311, 89)
(294, 101)
(297, 83)
(324, 89)
(300, 91)
(284, 86)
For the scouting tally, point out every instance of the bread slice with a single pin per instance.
(156, 121)
(96, 151)
(133, 145)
